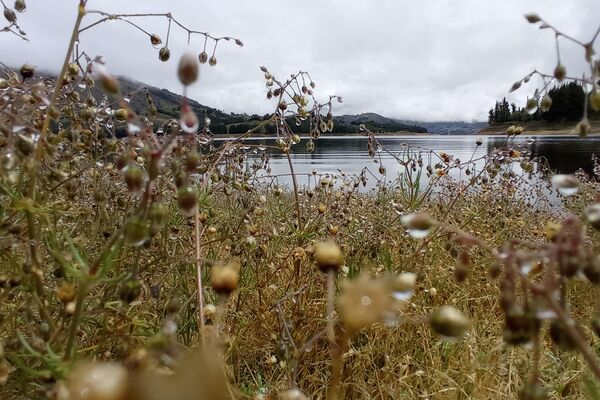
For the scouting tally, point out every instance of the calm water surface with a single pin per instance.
(332, 155)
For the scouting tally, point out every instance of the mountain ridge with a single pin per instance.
(168, 106)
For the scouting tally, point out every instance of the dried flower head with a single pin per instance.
(365, 301)
(224, 277)
(328, 256)
(98, 381)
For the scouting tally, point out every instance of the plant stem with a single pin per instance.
(60, 79)
(31, 225)
(199, 272)
(81, 293)
(334, 391)
(295, 184)
(330, 293)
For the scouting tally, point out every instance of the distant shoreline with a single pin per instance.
(539, 128)
(498, 131)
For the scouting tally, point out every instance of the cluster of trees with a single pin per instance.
(567, 106)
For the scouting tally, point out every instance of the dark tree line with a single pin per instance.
(567, 106)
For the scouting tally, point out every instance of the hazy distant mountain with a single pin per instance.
(435, 128)
(168, 106)
(378, 123)
(450, 127)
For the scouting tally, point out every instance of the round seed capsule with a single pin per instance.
(164, 54)
(328, 256)
(450, 322)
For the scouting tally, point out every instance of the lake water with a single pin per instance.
(332, 155)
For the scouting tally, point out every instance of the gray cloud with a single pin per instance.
(426, 60)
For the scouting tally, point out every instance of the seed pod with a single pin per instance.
(130, 290)
(224, 278)
(532, 18)
(560, 336)
(449, 322)
(567, 185)
(546, 103)
(560, 72)
(583, 128)
(203, 57)
(27, 70)
(136, 231)
(520, 326)
(328, 256)
(134, 178)
(191, 161)
(73, 69)
(164, 54)
(187, 199)
(121, 114)
(531, 104)
(155, 40)
(10, 15)
(188, 69)
(212, 61)
(98, 381)
(418, 225)
(461, 271)
(210, 311)
(188, 120)
(159, 215)
(403, 285)
(20, 5)
(592, 214)
(515, 86)
(333, 229)
(65, 293)
(109, 83)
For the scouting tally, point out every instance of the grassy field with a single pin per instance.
(270, 330)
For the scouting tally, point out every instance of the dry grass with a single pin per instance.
(403, 361)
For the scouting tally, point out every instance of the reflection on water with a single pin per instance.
(564, 154)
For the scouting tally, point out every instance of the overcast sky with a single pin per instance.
(421, 60)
